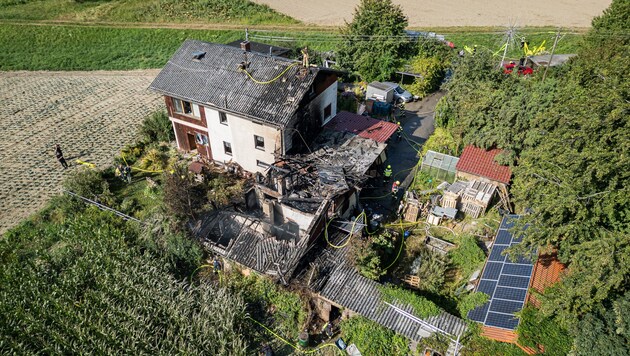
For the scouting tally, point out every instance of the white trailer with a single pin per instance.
(380, 91)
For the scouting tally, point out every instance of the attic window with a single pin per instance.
(198, 55)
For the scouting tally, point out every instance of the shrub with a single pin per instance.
(470, 301)
(183, 197)
(444, 114)
(347, 101)
(432, 72)
(283, 309)
(432, 271)
(223, 190)
(154, 160)
(89, 183)
(441, 140)
(130, 153)
(537, 329)
(368, 255)
(157, 128)
(468, 256)
(371, 338)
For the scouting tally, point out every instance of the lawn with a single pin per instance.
(95, 48)
(207, 11)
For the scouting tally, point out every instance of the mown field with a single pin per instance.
(118, 48)
(207, 11)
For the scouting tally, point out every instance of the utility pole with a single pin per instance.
(553, 49)
(507, 44)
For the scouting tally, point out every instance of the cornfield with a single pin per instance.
(82, 287)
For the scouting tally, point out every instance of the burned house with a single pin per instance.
(290, 204)
(235, 105)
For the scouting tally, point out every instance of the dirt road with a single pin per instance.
(447, 13)
(91, 114)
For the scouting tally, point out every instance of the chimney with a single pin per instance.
(246, 46)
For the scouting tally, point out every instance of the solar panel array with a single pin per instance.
(504, 280)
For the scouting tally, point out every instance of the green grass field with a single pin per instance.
(111, 48)
(94, 48)
(206, 11)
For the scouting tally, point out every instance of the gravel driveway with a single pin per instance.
(92, 115)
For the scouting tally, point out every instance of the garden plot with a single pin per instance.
(92, 115)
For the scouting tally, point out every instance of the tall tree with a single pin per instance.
(375, 42)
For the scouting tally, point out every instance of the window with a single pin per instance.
(261, 164)
(201, 139)
(222, 118)
(259, 142)
(227, 147)
(183, 107)
(327, 111)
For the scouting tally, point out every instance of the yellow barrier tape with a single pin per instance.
(297, 348)
(90, 165)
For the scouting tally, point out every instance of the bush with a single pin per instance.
(432, 271)
(347, 101)
(468, 256)
(536, 329)
(371, 338)
(154, 160)
(432, 72)
(223, 190)
(157, 128)
(444, 114)
(89, 183)
(183, 197)
(283, 309)
(368, 255)
(441, 140)
(470, 301)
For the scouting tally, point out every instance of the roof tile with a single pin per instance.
(480, 162)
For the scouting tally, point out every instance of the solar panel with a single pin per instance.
(517, 269)
(510, 293)
(501, 321)
(505, 281)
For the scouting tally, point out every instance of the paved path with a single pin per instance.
(403, 155)
(92, 115)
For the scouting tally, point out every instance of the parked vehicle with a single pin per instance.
(400, 94)
(388, 92)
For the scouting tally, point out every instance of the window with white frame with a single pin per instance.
(259, 142)
(227, 148)
(223, 118)
(327, 111)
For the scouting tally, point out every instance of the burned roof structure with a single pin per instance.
(220, 78)
(262, 48)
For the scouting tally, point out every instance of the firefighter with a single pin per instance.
(395, 188)
(387, 174)
(399, 131)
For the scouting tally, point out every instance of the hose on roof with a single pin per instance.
(272, 80)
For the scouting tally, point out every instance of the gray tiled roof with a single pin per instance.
(215, 80)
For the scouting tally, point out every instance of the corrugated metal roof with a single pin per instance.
(363, 126)
(361, 295)
(215, 80)
(480, 162)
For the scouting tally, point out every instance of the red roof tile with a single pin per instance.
(477, 161)
(362, 126)
(547, 271)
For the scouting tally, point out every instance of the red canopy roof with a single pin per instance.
(478, 161)
(362, 126)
